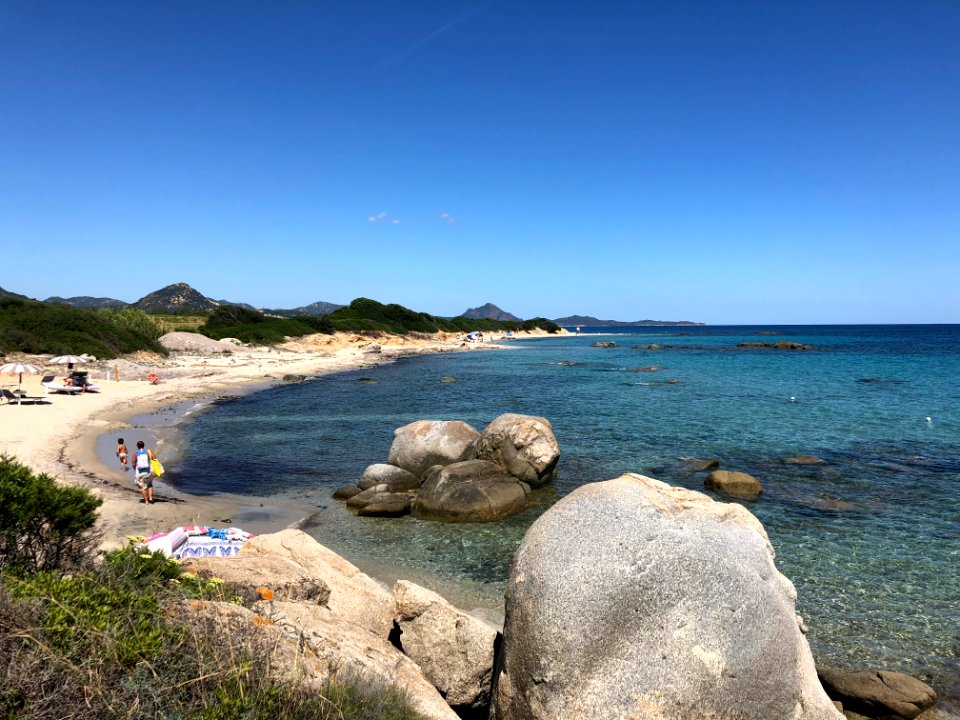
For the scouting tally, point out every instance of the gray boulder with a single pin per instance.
(470, 491)
(615, 610)
(423, 443)
(736, 484)
(396, 478)
(523, 445)
(387, 504)
(454, 650)
(365, 497)
(346, 492)
(877, 693)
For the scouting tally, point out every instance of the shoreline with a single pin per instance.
(60, 437)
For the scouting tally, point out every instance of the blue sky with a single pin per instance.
(726, 162)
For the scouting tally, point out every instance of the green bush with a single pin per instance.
(53, 328)
(43, 525)
(133, 320)
(102, 644)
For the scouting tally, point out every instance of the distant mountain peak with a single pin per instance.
(488, 312)
(176, 298)
(85, 301)
(589, 321)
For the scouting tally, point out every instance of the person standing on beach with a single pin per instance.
(141, 463)
(122, 454)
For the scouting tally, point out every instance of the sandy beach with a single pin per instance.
(59, 436)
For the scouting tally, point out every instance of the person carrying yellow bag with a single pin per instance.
(143, 464)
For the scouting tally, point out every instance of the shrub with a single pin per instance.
(102, 644)
(53, 328)
(43, 525)
(134, 320)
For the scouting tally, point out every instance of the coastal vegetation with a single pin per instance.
(98, 634)
(50, 328)
(362, 315)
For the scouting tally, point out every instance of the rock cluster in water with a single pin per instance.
(446, 470)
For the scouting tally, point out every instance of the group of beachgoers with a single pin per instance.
(146, 467)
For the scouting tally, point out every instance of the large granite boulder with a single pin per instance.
(878, 693)
(252, 574)
(634, 599)
(523, 445)
(311, 645)
(423, 443)
(454, 650)
(354, 596)
(470, 491)
(735, 484)
(396, 478)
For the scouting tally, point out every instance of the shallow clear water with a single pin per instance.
(869, 537)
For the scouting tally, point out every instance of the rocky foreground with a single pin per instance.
(628, 599)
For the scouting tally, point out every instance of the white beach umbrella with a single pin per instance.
(19, 368)
(68, 360)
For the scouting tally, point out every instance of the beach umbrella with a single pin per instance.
(68, 360)
(18, 368)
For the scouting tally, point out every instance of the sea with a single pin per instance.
(870, 536)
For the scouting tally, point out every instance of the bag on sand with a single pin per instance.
(156, 468)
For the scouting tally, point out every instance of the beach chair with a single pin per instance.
(50, 385)
(19, 398)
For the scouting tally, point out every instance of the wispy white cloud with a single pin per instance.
(382, 217)
(448, 218)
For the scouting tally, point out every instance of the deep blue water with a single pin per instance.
(869, 537)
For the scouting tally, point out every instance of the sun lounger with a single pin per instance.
(50, 385)
(19, 398)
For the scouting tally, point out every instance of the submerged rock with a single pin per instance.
(346, 492)
(389, 504)
(697, 465)
(803, 460)
(877, 693)
(779, 345)
(614, 610)
(606, 344)
(733, 483)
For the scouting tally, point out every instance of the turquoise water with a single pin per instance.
(869, 537)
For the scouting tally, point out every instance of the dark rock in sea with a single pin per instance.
(673, 381)
(606, 344)
(346, 492)
(294, 378)
(648, 368)
(779, 345)
(647, 347)
(803, 460)
(448, 379)
(567, 363)
(877, 693)
(387, 505)
(471, 491)
(766, 332)
(870, 380)
(736, 484)
(367, 380)
(696, 465)
(365, 497)
(397, 479)
(523, 445)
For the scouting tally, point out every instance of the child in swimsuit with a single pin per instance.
(122, 454)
